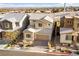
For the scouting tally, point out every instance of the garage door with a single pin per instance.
(40, 42)
(42, 37)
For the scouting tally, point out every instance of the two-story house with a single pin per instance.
(40, 29)
(71, 23)
(12, 25)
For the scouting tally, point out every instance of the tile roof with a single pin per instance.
(49, 19)
(36, 16)
(13, 16)
(41, 16)
(31, 30)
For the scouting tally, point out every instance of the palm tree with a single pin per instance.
(55, 33)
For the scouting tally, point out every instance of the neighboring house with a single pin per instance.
(12, 25)
(69, 36)
(72, 22)
(67, 19)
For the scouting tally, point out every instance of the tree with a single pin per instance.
(55, 33)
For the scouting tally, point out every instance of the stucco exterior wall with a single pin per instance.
(68, 22)
(45, 24)
(63, 39)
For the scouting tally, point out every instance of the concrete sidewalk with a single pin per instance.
(38, 49)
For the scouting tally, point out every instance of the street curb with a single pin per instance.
(22, 50)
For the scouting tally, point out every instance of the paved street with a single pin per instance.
(20, 53)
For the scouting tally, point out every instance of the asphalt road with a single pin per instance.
(20, 53)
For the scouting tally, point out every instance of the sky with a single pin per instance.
(2, 5)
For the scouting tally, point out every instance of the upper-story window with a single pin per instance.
(48, 24)
(40, 24)
(7, 25)
(67, 21)
(17, 23)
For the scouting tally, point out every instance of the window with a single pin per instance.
(40, 25)
(17, 23)
(28, 35)
(6, 25)
(68, 37)
(48, 24)
(67, 21)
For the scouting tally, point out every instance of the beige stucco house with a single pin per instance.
(40, 29)
(12, 25)
(71, 28)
